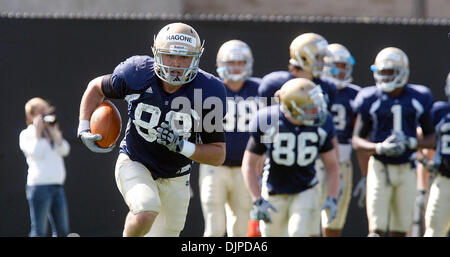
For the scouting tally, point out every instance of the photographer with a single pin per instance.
(44, 148)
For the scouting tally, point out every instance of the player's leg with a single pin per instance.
(240, 204)
(140, 193)
(212, 183)
(334, 228)
(437, 215)
(378, 197)
(403, 198)
(304, 214)
(175, 196)
(39, 200)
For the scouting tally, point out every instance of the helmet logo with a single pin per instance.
(181, 38)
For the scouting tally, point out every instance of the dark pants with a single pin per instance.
(48, 201)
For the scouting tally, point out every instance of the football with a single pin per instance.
(106, 121)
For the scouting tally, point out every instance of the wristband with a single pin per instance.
(84, 125)
(188, 148)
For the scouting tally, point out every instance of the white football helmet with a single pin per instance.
(303, 101)
(177, 39)
(307, 52)
(447, 87)
(338, 66)
(390, 58)
(234, 50)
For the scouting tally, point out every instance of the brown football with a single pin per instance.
(106, 121)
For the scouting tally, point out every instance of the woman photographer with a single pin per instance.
(44, 148)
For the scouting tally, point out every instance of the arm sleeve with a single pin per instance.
(363, 127)
(426, 123)
(255, 147)
(212, 137)
(107, 87)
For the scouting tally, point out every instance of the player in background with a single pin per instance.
(168, 97)
(307, 52)
(338, 70)
(389, 114)
(437, 162)
(290, 136)
(225, 200)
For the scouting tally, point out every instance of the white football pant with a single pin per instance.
(437, 214)
(390, 198)
(169, 197)
(225, 201)
(298, 214)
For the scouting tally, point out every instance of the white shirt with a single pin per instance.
(45, 164)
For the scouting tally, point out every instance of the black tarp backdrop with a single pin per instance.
(56, 58)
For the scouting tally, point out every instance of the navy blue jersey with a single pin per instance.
(149, 105)
(275, 80)
(343, 114)
(290, 150)
(386, 114)
(441, 121)
(242, 105)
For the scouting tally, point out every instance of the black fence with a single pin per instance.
(56, 58)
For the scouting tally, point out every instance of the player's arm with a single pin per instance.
(359, 139)
(212, 153)
(331, 165)
(251, 167)
(92, 97)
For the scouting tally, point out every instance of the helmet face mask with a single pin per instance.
(391, 69)
(338, 66)
(173, 40)
(302, 101)
(234, 61)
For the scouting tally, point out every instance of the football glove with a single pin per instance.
(330, 205)
(169, 138)
(89, 139)
(360, 190)
(430, 165)
(392, 146)
(260, 210)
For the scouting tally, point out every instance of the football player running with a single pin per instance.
(437, 212)
(388, 115)
(338, 70)
(290, 136)
(225, 200)
(163, 93)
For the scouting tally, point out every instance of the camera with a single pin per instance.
(51, 119)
